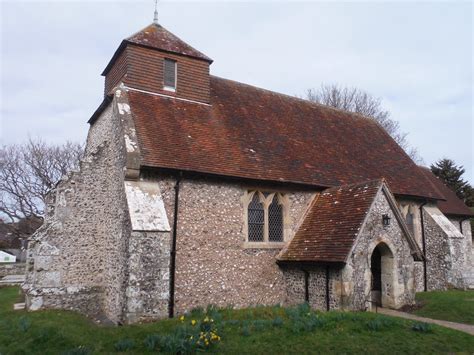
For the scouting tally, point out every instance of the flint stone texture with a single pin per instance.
(398, 284)
(12, 269)
(212, 266)
(83, 241)
(105, 246)
(447, 250)
(296, 288)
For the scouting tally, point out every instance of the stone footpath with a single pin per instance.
(466, 328)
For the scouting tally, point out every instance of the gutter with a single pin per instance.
(173, 246)
(328, 306)
(306, 286)
(425, 274)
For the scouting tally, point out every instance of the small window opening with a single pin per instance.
(169, 77)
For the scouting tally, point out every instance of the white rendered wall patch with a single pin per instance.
(146, 207)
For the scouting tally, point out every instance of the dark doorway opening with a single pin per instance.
(376, 269)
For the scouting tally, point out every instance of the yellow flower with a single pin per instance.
(181, 318)
(193, 322)
(206, 319)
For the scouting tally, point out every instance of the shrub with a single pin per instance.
(124, 345)
(422, 327)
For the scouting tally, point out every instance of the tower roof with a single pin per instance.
(157, 37)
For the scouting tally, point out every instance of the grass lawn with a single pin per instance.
(452, 305)
(259, 330)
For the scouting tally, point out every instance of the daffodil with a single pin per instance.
(193, 322)
(181, 318)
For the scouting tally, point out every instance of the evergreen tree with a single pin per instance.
(451, 174)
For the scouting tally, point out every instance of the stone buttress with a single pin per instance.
(103, 249)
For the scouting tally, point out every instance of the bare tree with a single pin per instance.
(359, 101)
(28, 171)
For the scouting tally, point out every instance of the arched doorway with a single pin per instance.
(381, 267)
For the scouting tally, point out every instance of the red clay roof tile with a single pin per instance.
(332, 224)
(157, 37)
(253, 133)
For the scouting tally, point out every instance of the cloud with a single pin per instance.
(416, 56)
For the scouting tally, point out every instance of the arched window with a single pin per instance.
(265, 218)
(275, 220)
(256, 219)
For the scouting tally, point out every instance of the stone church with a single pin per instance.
(198, 190)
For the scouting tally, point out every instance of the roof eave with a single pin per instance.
(126, 42)
(117, 53)
(455, 214)
(103, 105)
(310, 263)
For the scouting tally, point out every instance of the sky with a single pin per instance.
(416, 56)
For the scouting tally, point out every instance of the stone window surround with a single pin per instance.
(284, 200)
(406, 208)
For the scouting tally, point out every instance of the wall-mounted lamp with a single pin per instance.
(385, 220)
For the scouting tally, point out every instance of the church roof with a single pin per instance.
(332, 224)
(157, 37)
(247, 132)
(453, 204)
(334, 221)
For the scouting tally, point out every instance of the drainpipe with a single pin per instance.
(173, 246)
(424, 246)
(306, 286)
(328, 307)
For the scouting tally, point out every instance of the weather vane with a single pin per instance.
(155, 17)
